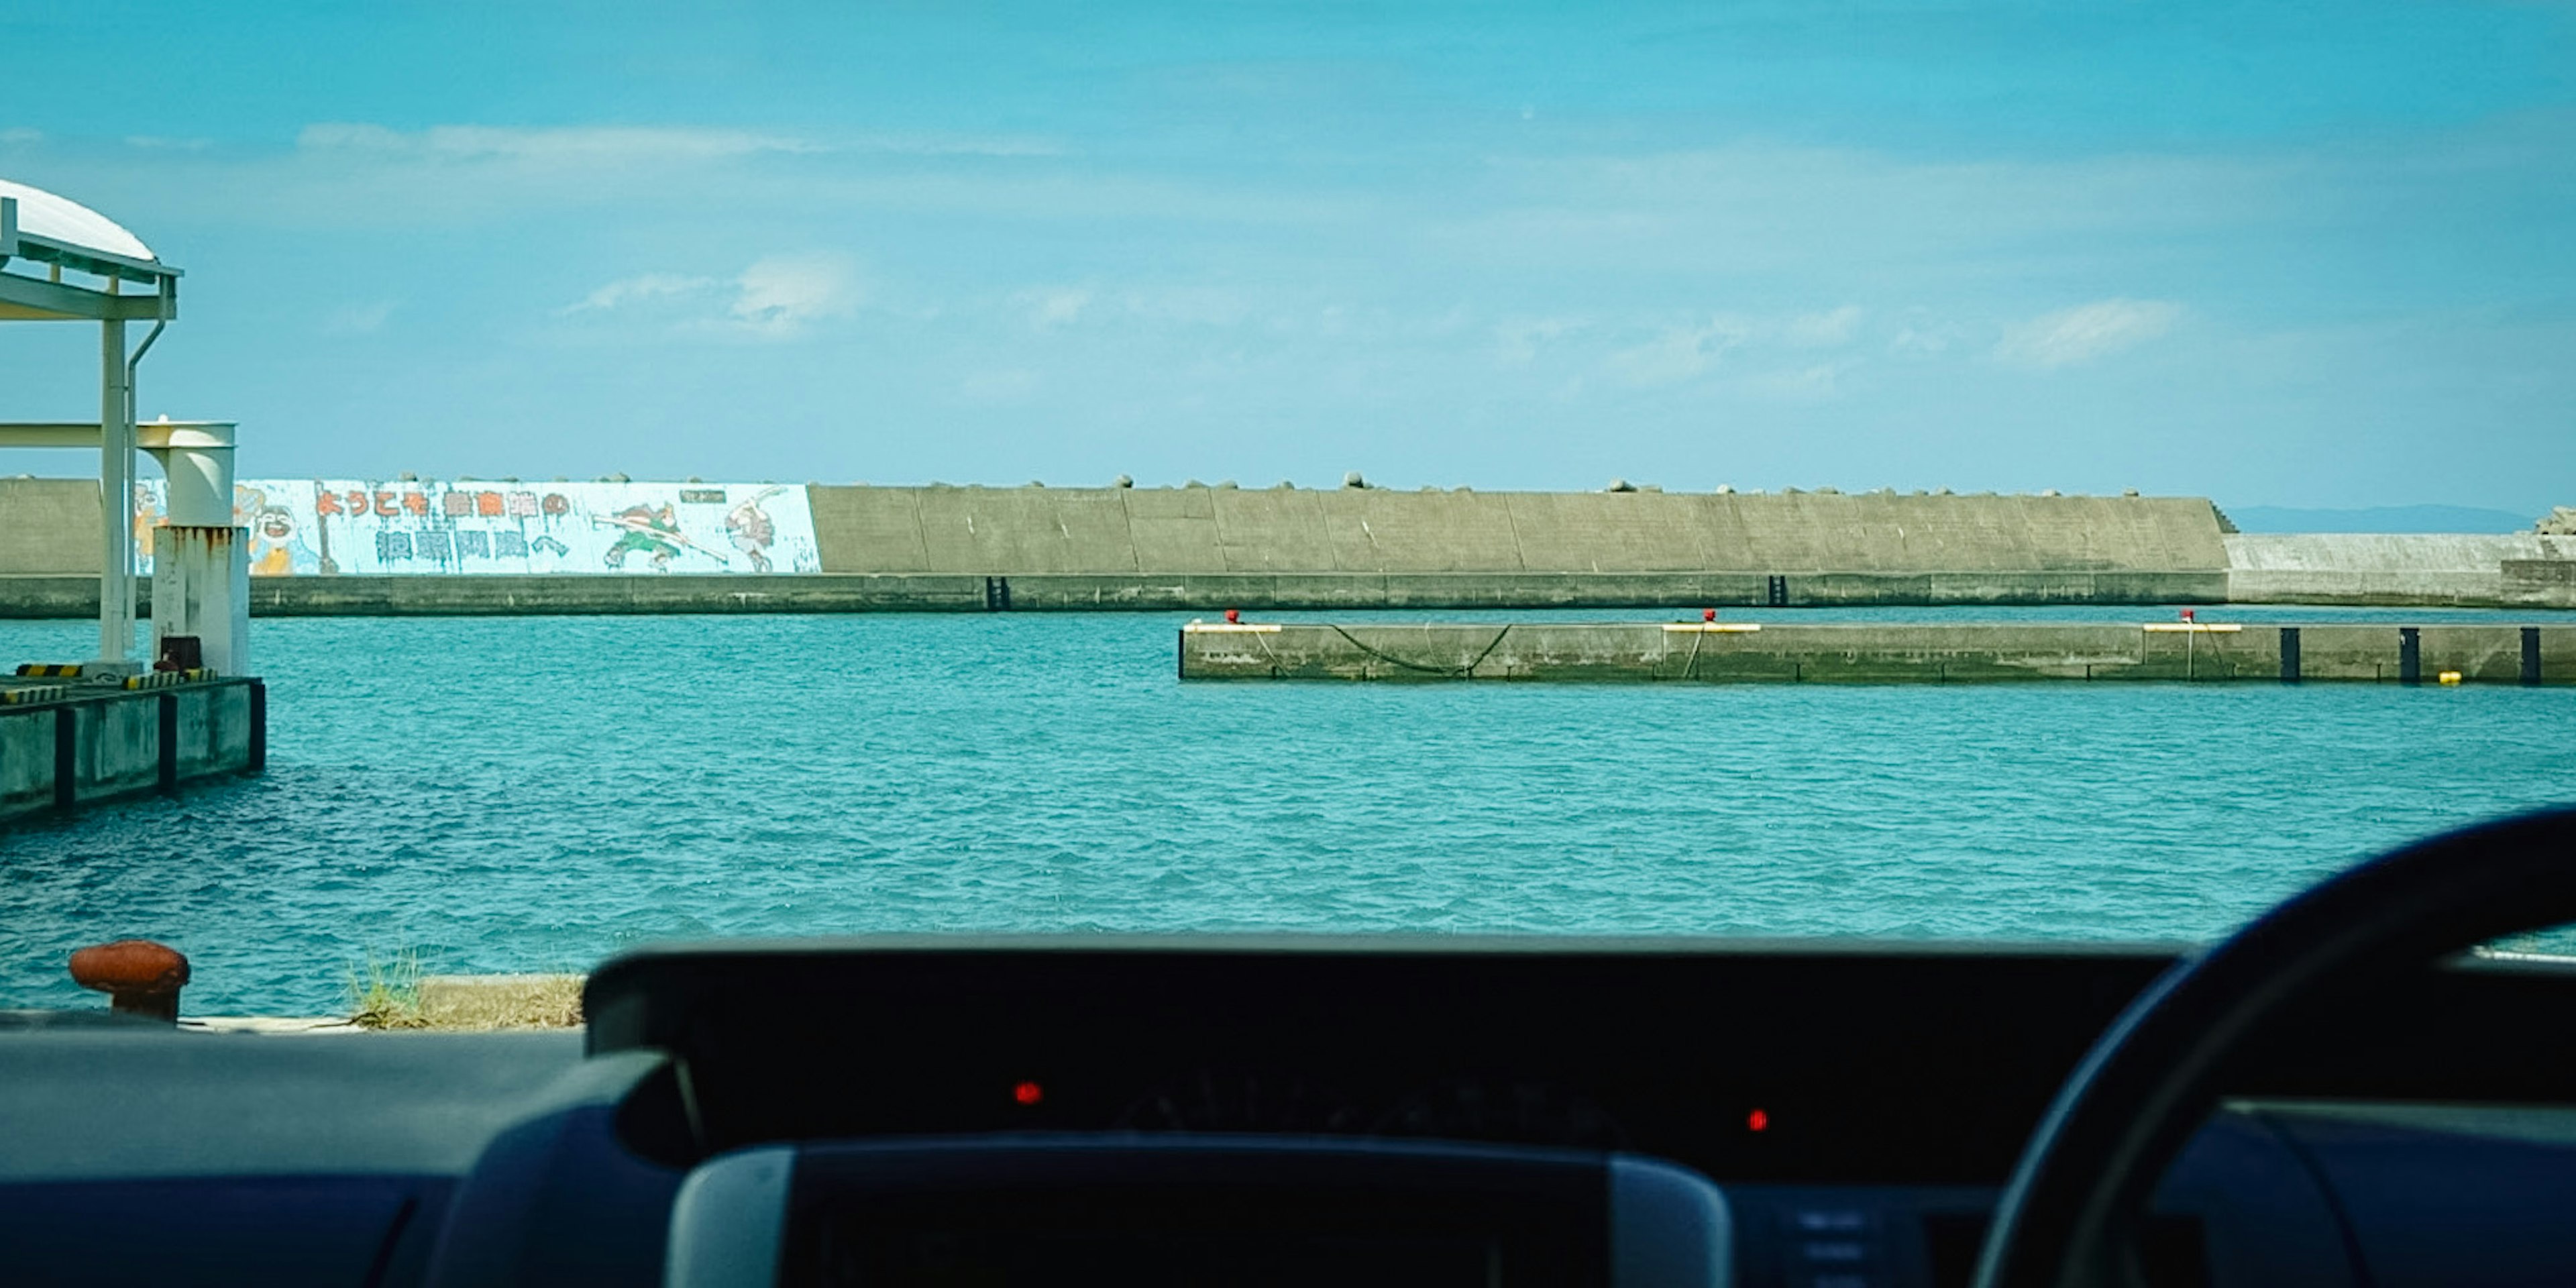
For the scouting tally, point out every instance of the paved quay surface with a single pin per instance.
(1880, 652)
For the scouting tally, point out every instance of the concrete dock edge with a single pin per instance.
(1937, 653)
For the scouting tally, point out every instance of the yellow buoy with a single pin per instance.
(2450, 677)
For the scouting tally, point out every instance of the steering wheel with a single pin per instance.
(2071, 1214)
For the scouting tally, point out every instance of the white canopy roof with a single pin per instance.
(60, 219)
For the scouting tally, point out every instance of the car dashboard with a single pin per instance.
(1283, 1110)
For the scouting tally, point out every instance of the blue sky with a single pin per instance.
(2284, 254)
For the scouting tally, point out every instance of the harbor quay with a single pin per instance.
(1719, 652)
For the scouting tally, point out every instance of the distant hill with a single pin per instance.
(2384, 518)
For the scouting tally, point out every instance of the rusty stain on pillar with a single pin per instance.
(139, 976)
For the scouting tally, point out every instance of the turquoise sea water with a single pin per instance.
(535, 793)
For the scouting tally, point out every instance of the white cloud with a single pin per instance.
(1823, 330)
(160, 143)
(1518, 340)
(596, 145)
(1922, 336)
(1816, 383)
(568, 145)
(2087, 332)
(648, 286)
(359, 319)
(1055, 306)
(775, 298)
(18, 134)
(781, 294)
(1681, 353)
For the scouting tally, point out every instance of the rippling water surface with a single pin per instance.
(532, 794)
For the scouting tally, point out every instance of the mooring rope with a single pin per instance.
(1468, 671)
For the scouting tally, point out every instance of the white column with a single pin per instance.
(200, 561)
(115, 498)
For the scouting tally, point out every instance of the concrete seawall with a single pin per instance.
(1207, 548)
(88, 746)
(2412, 569)
(1127, 532)
(1878, 652)
(77, 596)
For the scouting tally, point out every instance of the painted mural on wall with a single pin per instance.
(321, 527)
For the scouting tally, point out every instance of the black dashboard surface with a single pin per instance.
(1857, 1103)
(1781, 1063)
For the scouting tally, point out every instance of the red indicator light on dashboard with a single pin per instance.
(1027, 1093)
(1758, 1120)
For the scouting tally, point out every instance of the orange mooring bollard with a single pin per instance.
(1234, 614)
(139, 976)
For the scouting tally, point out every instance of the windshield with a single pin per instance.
(794, 471)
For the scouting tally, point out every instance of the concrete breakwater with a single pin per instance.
(975, 549)
(67, 745)
(2425, 569)
(409, 547)
(363, 596)
(1722, 652)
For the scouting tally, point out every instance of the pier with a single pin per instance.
(1890, 652)
(74, 734)
(65, 745)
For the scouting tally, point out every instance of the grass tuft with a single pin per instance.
(385, 994)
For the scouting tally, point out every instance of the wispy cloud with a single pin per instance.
(1923, 335)
(777, 297)
(1150, 305)
(574, 144)
(1518, 340)
(647, 286)
(19, 134)
(160, 143)
(780, 295)
(1054, 306)
(1681, 353)
(1815, 383)
(622, 144)
(359, 319)
(2087, 331)
(1823, 330)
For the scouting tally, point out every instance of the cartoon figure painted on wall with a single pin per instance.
(276, 548)
(147, 516)
(654, 532)
(752, 530)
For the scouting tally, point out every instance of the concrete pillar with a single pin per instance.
(201, 587)
(200, 561)
(201, 480)
(115, 497)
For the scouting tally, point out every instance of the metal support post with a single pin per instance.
(115, 496)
